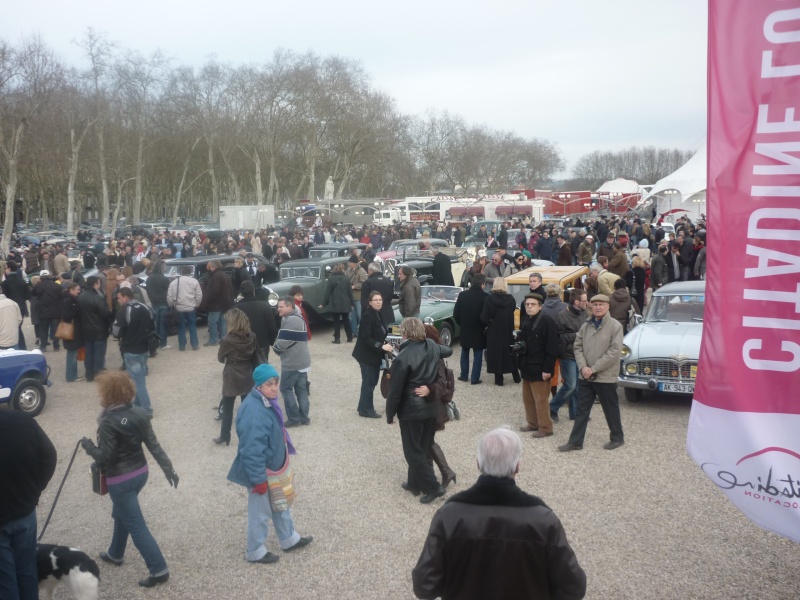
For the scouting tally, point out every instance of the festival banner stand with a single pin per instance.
(744, 428)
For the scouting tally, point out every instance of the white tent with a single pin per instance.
(684, 189)
(619, 185)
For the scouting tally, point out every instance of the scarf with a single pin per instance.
(273, 403)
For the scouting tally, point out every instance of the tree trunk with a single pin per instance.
(214, 188)
(75, 145)
(137, 201)
(11, 186)
(178, 195)
(312, 166)
(259, 184)
(271, 187)
(101, 149)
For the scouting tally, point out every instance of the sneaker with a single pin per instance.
(167, 347)
(210, 344)
(554, 417)
(76, 379)
(106, 558)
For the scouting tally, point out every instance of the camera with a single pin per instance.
(519, 348)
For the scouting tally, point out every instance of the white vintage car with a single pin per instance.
(661, 354)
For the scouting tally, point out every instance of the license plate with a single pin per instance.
(681, 388)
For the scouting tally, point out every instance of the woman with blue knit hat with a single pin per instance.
(264, 444)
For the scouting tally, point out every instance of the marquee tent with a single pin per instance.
(684, 189)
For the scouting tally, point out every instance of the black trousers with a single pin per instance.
(609, 401)
(337, 321)
(417, 438)
(227, 416)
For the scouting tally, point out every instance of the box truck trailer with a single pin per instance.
(246, 217)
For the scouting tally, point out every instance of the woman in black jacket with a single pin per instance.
(370, 348)
(498, 316)
(122, 429)
(71, 314)
(339, 300)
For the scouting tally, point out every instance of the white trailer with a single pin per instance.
(248, 217)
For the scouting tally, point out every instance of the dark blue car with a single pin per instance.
(23, 377)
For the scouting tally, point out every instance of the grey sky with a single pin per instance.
(586, 74)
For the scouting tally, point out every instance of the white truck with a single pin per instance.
(249, 217)
(389, 216)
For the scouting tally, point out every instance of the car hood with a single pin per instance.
(665, 339)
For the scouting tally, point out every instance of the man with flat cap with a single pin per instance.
(597, 348)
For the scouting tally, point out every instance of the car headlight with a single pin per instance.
(631, 368)
(272, 299)
(428, 321)
(625, 351)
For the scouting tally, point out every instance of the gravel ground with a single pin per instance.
(643, 520)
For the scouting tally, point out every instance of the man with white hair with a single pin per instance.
(516, 537)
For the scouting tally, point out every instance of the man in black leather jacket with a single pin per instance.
(415, 366)
(96, 325)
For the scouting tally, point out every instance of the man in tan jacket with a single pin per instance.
(605, 279)
(357, 275)
(597, 352)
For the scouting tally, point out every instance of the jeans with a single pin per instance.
(227, 416)
(477, 364)
(370, 374)
(217, 328)
(18, 573)
(136, 364)
(95, 360)
(684, 272)
(129, 520)
(355, 317)
(72, 365)
(189, 320)
(417, 437)
(259, 514)
(160, 318)
(568, 391)
(609, 401)
(47, 329)
(295, 391)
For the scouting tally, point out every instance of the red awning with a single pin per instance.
(476, 210)
(457, 210)
(522, 209)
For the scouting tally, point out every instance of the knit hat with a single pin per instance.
(353, 258)
(263, 373)
(644, 243)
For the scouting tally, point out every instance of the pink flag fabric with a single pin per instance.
(744, 428)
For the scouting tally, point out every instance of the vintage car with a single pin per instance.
(564, 277)
(334, 250)
(436, 308)
(399, 246)
(198, 264)
(421, 261)
(661, 354)
(311, 274)
(23, 377)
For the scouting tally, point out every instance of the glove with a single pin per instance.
(172, 477)
(261, 489)
(87, 444)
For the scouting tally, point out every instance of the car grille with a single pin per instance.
(666, 370)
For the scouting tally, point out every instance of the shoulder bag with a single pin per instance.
(99, 485)
(281, 486)
(65, 331)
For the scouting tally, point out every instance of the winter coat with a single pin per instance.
(415, 365)
(658, 271)
(236, 352)
(618, 264)
(442, 270)
(94, 315)
(184, 294)
(15, 288)
(122, 430)
(700, 264)
(261, 442)
(496, 523)
(377, 282)
(551, 307)
(605, 282)
(410, 298)
(621, 303)
(438, 391)
(338, 293)
(540, 335)
(637, 289)
(357, 277)
(498, 317)
(262, 320)
(564, 255)
(218, 293)
(568, 322)
(48, 297)
(240, 275)
(70, 313)
(599, 349)
(157, 286)
(467, 314)
(371, 336)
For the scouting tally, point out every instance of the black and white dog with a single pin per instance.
(59, 564)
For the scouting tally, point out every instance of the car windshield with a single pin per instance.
(324, 253)
(172, 271)
(680, 308)
(290, 272)
(440, 292)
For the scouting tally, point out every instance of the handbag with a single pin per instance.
(65, 331)
(99, 485)
(281, 486)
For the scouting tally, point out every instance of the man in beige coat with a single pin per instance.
(597, 351)
(605, 279)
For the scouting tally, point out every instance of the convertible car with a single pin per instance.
(662, 353)
(23, 377)
(438, 302)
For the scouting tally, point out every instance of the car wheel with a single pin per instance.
(29, 397)
(633, 395)
(446, 334)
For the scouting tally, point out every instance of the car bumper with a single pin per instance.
(654, 385)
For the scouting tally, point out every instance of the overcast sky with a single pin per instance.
(585, 74)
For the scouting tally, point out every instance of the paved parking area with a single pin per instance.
(643, 520)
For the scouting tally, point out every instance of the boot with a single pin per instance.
(498, 379)
(448, 475)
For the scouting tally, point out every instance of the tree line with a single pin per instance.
(125, 133)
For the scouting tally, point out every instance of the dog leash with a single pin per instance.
(58, 493)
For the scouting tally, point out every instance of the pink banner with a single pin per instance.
(744, 430)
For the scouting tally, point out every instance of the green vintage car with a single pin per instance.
(438, 302)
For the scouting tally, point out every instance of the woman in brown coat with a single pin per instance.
(236, 350)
